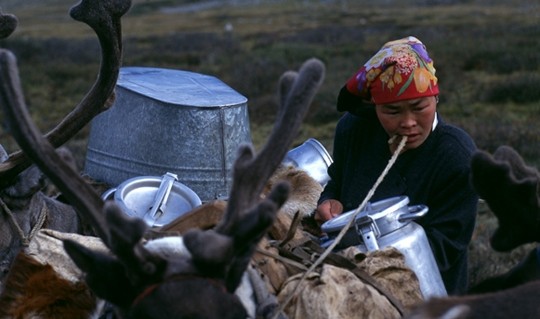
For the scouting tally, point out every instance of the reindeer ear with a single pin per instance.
(27, 183)
(104, 274)
(124, 231)
(83, 257)
(209, 249)
(509, 188)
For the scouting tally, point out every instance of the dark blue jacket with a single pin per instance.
(435, 174)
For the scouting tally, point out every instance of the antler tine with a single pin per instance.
(510, 188)
(103, 16)
(518, 167)
(247, 217)
(251, 173)
(74, 187)
(8, 24)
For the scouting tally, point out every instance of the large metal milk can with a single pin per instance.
(390, 222)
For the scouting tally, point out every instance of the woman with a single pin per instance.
(401, 90)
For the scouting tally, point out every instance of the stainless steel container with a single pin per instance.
(386, 223)
(175, 121)
(312, 157)
(156, 200)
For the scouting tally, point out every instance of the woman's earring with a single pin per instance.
(436, 99)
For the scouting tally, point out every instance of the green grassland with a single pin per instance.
(487, 55)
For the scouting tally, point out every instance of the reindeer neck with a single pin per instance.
(178, 277)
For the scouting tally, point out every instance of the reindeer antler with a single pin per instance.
(8, 24)
(296, 91)
(511, 190)
(103, 17)
(250, 173)
(74, 187)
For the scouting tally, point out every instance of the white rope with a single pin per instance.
(25, 239)
(341, 234)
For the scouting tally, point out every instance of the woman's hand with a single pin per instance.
(328, 209)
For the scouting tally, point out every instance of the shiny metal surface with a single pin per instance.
(412, 242)
(312, 157)
(387, 215)
(390, 222)
(137, 196)
(159, 206)
(175, 121)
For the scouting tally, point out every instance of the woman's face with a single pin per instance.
(412, 118)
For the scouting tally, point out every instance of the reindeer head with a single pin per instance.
(511, 190)
(138, 281)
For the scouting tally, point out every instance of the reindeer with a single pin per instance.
(23, 206)
(139, 283)
(511, 190)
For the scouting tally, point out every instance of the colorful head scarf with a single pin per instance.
(401, 70)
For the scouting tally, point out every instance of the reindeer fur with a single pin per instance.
(37, 291)
(511, 190)
(519, 302)
(26, 202)
(305, 190)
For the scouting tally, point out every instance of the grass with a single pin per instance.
(485, 52)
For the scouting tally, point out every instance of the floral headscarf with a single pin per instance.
(400, 70)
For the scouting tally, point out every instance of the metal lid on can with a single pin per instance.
(157, 200)
(388, 215)
(375, 220)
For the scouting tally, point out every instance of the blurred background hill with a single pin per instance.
(486, 52)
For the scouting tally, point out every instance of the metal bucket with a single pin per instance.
(163, 120)
(311, 157)
(389, 222)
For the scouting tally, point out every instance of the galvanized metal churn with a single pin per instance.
(390, 222)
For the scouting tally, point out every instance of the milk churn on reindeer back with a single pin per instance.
(390, 222)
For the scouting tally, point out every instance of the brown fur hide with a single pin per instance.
(34, 290)
(305, 190)
(335, 292)
(43, 281)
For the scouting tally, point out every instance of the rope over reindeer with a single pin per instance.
(217, 255)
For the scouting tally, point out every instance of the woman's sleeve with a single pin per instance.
(333, 187)
(450, 223)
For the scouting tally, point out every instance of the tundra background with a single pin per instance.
(486, 52)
